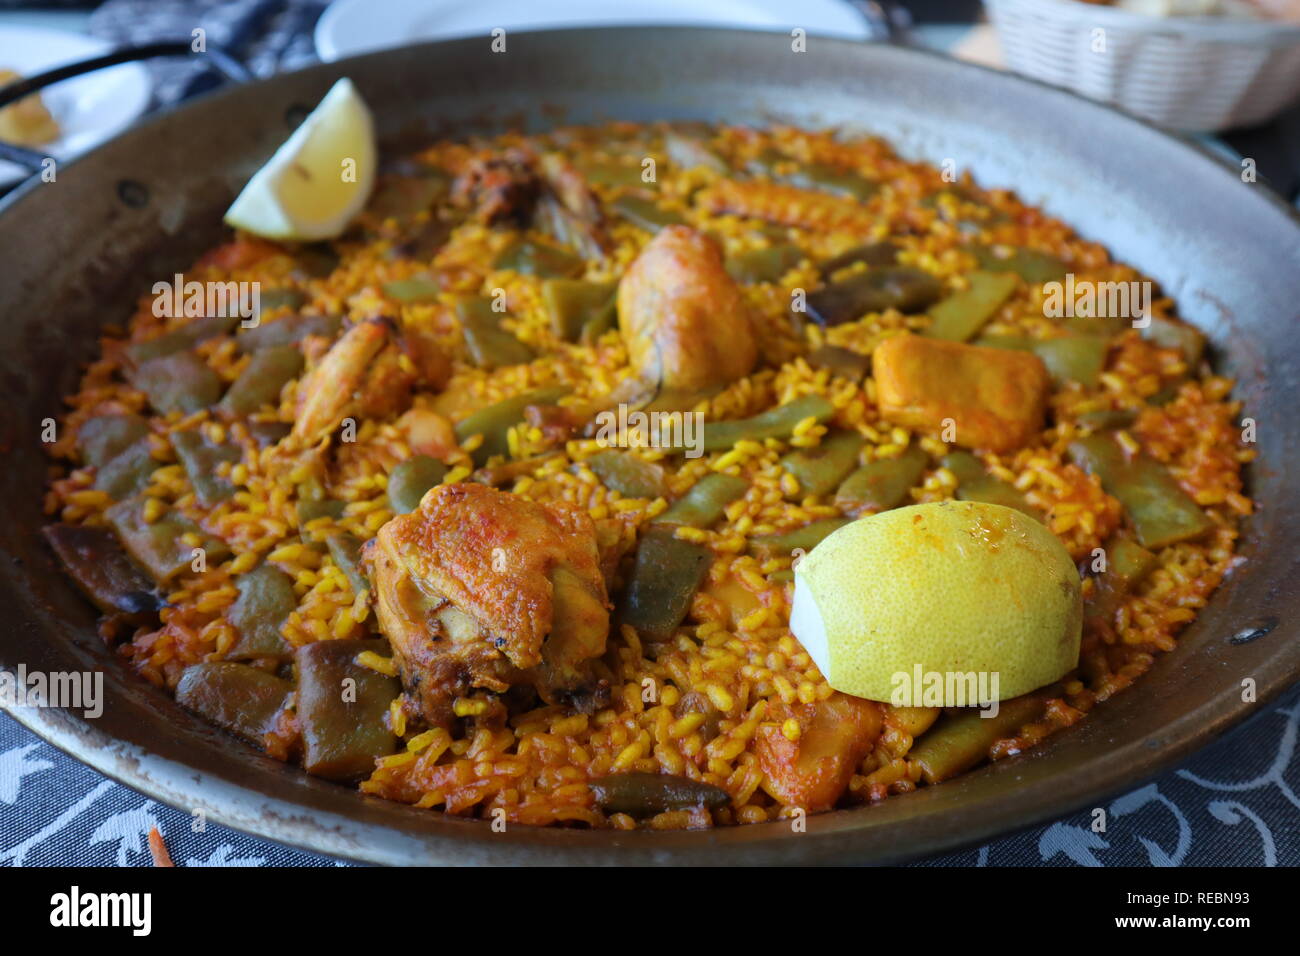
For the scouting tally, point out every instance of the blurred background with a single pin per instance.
(1223, 72)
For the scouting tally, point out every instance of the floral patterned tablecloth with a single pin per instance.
(1233, 804)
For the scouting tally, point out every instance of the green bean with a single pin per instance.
(489, 345)
(665, 576)
(1129, 560)
(904, 288)
(1127, 566)
(975, 484)
(535, 259)
(1073, 358)
(704, 504)
(833, 180)
(424, 242)
(128, 471)
(845, 363)
(345, 549)
(157, 546)
(572, 304)
(404, 195)
(820, 470)
(646, 794)
(266, 598)
(964, 313)
(180, 382)
(690, 152)
(309, 509)
(959, 743)
(582, 234)
(1161, 512)
(94, 559)
(414, 289)
(238, 698)
(200, 459)
(411, 479)
(104, 437)
(800, 539)
(269, 300)
(1076, 358)
(342, 707)
(764, 265)
(1106, 419)
(874, 255)
(287, 330)
(882, 484)
(317, 259)
(259, 385)
(612, 173)
(819, 176)
(180, 340)
(627, 474)
(645, 213)
(1033, 266)
(776, 422)
(495, 422)
(1171, 334)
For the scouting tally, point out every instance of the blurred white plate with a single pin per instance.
(89, 109)
(349, 27)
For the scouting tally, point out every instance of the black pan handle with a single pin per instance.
(887, 20)
(229, 67)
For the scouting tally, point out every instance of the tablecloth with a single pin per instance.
(1233, 804)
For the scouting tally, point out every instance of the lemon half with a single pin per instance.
(319, 179)
(948, 588)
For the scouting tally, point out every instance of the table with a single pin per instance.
(1233, 804)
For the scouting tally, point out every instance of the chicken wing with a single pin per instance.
(483, 589)
(683, 318)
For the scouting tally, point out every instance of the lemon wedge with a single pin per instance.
(893, 605)
(319, 179)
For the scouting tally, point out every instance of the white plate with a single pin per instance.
(349, 27)
(89, 109)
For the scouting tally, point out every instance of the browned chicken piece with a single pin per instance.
(812, 771)
(572, 212)
(483, 589)
(995, 398)
(684, 320)
(785, 205)
(368, 373)
(499, 189)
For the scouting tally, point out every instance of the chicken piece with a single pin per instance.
(483, 589)
(571, 213)
(363, 374)
(786, 206)
(684, 320)
(996, 398)
(428, 433)
(500, 188)
(812, 771)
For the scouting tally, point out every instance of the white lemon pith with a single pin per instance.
(952, 587)
(321, 177)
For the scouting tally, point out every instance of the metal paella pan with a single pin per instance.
(78, 251)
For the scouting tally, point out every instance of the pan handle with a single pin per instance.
(887, 20)
(229, 67)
